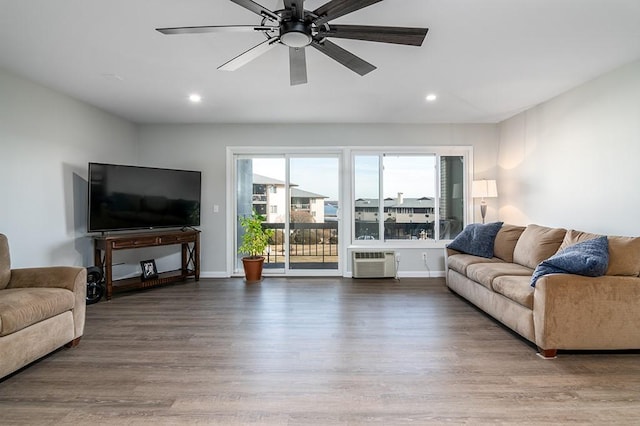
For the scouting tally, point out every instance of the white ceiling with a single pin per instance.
(486, 59)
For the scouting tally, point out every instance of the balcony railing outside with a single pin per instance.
(311, 246)
(300, 206)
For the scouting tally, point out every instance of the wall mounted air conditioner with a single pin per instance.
(374, 264)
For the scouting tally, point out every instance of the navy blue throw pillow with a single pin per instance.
(477, 239)
(589, 258)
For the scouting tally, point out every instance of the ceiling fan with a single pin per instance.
(298, 28)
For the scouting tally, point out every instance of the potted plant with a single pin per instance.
(254, 241)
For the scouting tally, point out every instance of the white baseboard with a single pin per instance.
(214, 274)
(401, 274)
(421, 274)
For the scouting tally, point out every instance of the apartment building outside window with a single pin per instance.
(408, 196)
(328, 200)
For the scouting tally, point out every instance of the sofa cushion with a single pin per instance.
(485, 273)
(477, 239)
(22, 307)
(5, 262)
(506, 240)
(516, 288)
(624, 256)
(536, 244)
(589, 258)
(460, 262)
(624, 252)
(572, 237)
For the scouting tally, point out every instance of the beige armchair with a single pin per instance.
(41, 309)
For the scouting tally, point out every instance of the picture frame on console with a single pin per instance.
(149, 269)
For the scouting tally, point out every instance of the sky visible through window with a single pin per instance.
(318, 175)
(413, 175)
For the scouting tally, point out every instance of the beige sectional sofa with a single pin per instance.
(41, 309)
(563, 311)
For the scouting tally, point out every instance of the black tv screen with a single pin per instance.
(129, 197)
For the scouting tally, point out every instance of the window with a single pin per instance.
(366, 177)
(298, 192)
(396, 196)
(419, 196)
(451, 202)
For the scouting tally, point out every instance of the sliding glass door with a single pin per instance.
(313, 208)
(299, 198)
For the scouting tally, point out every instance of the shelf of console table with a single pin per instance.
(105, 245)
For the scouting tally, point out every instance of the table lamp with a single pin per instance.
(484, 189)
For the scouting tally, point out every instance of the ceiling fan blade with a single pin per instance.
(396, 35)
(249, 55)
(216, 29)
(297, 6)
(297, 65)
(346, 58)
(336, 8)
(257, 9)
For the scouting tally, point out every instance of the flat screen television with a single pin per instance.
(130, 197)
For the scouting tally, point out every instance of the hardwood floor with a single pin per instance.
(322, 351)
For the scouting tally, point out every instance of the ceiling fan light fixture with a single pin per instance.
(297, 28)
(295, 34)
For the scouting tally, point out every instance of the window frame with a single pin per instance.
(346, 210)
(466, 152)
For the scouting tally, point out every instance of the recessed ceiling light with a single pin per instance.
(431, 97)
(195, 98)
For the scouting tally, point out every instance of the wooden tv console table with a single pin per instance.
(106, 244)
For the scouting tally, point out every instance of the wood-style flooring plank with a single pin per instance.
(317, 351)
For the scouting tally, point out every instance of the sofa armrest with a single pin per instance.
(52, 276)
(69, 277)
(451, 252)
(577, 312)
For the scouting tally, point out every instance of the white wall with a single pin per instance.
(569, 162)
(574, 161)
(203, 147)
(46, 141)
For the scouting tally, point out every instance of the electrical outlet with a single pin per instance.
(424, 256)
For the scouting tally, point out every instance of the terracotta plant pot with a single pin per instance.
(253, 269)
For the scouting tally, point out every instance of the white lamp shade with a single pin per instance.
(484, 188)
